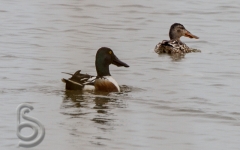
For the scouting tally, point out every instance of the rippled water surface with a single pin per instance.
(186, 104)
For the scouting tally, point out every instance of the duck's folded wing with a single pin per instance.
(79, 81)
(165, 46)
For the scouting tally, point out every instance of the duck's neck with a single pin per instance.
(102, 69)
(175, 39)
(174, 36)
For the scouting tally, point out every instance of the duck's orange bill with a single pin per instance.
(190, 35)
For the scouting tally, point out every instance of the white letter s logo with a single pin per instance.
(32, 140)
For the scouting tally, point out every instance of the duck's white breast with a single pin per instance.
(110, 78)
(88, 88)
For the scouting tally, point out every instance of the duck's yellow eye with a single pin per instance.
(110, 52)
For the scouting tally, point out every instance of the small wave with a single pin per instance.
(134, 12)
(203, 13)
(161, 69)
(189, 110)
(3, 11)
(218, 85)
(85, 17)
(101, 138)
(229, 7)
(198, 98)
(9, 56)
(37, 45)
(36, 69)
(235, 113)
(71, 30)
(135, 6)
(65, 5)
(161, 13)
(94, 5)
(132, 29)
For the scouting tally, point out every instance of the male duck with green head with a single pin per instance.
(103, 81)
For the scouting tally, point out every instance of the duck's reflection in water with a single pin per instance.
(174, 57)
(177, 57)
(97, 107)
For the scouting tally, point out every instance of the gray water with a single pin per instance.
(186, 104)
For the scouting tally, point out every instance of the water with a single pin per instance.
(187, 104)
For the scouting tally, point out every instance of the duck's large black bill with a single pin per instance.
(118, 62)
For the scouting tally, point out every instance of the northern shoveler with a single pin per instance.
(103, 81)
(174, 45)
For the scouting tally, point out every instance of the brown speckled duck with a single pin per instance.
(175, 45)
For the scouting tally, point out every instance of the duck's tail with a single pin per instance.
(78, 81)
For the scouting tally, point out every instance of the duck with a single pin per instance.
(175, 45)
(103, 82)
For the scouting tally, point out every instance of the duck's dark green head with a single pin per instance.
(104, 58)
